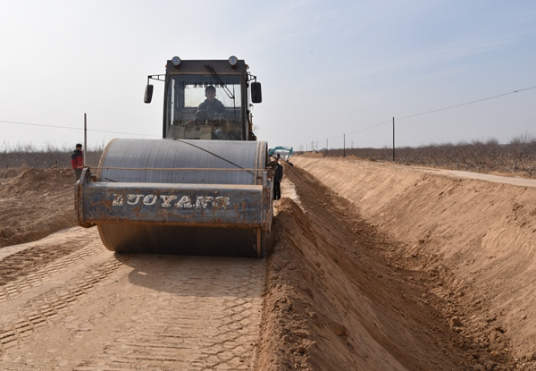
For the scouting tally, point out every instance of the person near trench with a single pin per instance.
(277, 170)
(77, 161)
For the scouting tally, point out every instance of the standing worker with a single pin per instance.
(77, 161)
(278, 175)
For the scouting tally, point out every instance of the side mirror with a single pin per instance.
(148, 93)
(256, 92)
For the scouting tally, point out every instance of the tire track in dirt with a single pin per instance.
(208, 318)
(39, 310)
(25, 259)
(35, 279)
(95, 310)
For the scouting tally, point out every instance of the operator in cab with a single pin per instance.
(211, 108)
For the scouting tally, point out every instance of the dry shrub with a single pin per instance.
(517, 157)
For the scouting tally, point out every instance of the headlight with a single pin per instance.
(176, 61)
(233, 60)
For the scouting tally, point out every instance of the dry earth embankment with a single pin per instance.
(477, 236)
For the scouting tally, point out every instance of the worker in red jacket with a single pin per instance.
(77, 161)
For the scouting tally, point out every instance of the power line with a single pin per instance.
(72, 128)
(436, 110)
(370, 127)
(465, 104)
(443, 109)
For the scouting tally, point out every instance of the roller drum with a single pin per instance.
(181, 162)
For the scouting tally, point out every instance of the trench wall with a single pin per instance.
(481, 233)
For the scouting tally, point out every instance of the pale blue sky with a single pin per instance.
(327, 68)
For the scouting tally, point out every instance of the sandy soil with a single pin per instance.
(467, 244)
(34, 203)
(375, 267)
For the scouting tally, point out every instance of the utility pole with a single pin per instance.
(344, 145)
(85, 139)
(393, 139)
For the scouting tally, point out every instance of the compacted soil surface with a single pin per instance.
(375, 266)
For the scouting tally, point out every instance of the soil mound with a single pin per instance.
(334, 302)
(34, 203)
(476, 237)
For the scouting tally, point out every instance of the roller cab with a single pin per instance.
(203, 189)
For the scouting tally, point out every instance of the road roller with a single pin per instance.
(204, 188)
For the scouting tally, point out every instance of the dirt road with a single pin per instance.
(375, 267)
(93, 310)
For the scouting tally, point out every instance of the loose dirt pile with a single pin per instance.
(34, 203)
(335, 303)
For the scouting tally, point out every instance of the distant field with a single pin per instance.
(515, 158)
(43, 159)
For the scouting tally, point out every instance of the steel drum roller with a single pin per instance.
(145, 161)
